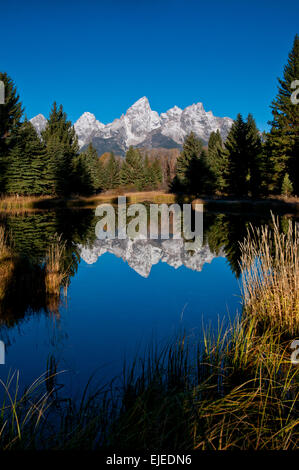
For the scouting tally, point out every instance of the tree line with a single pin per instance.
(247, 163)
(50, 163)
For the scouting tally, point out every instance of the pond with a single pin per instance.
(117, 297)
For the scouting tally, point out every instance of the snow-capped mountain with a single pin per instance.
(142, 254)
(143, 127)
(86, 127)
(39, 122)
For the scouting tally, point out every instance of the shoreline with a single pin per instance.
(32, 203)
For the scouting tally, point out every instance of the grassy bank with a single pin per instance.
(235, 389)
(30, 203)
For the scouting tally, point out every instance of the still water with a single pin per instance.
(117, 296)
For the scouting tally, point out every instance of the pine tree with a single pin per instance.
(214, 140)
(10, 113)
(86, 171)
(282, 144)
(218, 163)
(102, 176)
(149, 176)
(286, 187)
(156, 173)
(190, 170)
(235, 145)
(112, 173)
(10, 116)
(245, 158)
(26, 161)
(61, 141)
(132, 170)
(55, 180)
(255, 158)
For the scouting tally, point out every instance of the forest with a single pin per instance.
(247, 164)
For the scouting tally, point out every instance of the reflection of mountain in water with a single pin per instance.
(141, 255)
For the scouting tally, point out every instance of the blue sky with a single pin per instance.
(101, 56)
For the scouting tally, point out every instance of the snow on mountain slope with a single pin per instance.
(142, 254)
(39, 123)
(86, 127)
(143, 127)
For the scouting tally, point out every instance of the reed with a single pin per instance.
(6, 262)
(239, 391)
(232, 390)
(15, 202)
(4, 248)
(270, 274)
(55, 272)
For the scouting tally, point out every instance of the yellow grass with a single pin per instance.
(270, 268)
(6, 263)
(132, 197)
(55, 273)
(15, 202)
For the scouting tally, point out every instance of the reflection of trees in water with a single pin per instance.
(226, 231)
(31, 280)
(25, 274)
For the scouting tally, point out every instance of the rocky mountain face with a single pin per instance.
(142, 127)
(142, 254)
(39, 123)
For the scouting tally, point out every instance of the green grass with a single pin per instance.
(238, 391)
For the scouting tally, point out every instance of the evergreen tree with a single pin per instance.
(102, 176)
(132, 170)
(214, 140)
(235, 145)
(112, 172)
(286, 187)
(245, 158)
(282, 144)
(149, 177)
(10, 113)
(56, 182)
(255, 158)
(62, 143)
(86, 171)
(10, 116)
(156, 173)
(152, 173)
(190, 170)
(26, 162)
(217, 163)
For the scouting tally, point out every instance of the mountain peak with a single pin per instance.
(141, 104)
(143, 127)
(143, 100)
(39, 122)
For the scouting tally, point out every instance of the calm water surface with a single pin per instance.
(120, 296)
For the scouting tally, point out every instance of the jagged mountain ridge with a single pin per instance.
(143, 127)
(142, 254)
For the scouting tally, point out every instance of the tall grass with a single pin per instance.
(23, 413)
(270, 268)
(55, 273)
(6, 262)
(237, 390)
(4, 244)
(21, 203)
